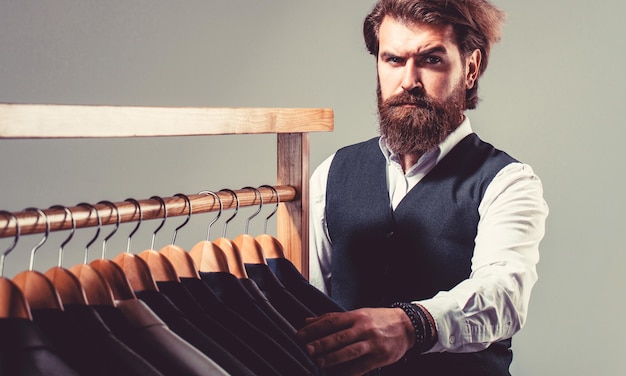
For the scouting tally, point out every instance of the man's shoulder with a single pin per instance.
(372, 143)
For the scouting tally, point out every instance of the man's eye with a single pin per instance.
(394, 60)
(432, 60)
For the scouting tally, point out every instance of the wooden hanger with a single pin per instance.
(115, 277)
(233, 257)
(134, 267)
(38, 290)
(270, 246)
(13, 304)
(109, 271)
(68, 286)
(250, 249)
(137, 271)
(97, 290)
(232, 252)
(208, 256)
(159, 266)
(181, 261)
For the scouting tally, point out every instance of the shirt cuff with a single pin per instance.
(449, 320)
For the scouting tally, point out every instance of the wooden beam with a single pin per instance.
(293, 217)
(72, 121)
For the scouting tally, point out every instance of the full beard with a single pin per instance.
(421, 126)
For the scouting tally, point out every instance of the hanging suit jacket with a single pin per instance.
(25, 351)
(263, 302)
(315, 300)
(87, 343)
(180, 324)
(261, 342)
(285, 303)
(424, 246)
(231, 291)
(180, 296)
(142, 330)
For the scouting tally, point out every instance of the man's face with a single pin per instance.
(422, 80)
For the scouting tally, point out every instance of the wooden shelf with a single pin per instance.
(68, 121)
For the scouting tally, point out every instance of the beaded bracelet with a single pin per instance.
(419, 326)
(430, 330)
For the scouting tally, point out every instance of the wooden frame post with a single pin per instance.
(293, 217)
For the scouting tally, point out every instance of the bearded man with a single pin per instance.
(427, 235)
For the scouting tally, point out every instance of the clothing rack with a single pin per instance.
(291, 126)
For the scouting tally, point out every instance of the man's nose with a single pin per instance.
(411, 79)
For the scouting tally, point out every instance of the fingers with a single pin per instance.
(331, 339)
(318, 327)
(342, 353)
(355, 342)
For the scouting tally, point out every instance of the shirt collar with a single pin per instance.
(439, 152)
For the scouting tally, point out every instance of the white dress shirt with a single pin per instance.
(492, 303)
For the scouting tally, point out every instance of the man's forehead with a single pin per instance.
(444, 30)
(391, 29)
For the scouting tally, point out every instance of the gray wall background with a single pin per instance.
(551, 97)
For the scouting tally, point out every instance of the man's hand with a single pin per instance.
(355, 342)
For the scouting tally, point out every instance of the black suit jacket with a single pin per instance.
(24, 350)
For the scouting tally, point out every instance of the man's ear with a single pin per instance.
(472, 68)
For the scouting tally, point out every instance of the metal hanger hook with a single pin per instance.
(162, 202)
(137, 208)
(15, 239)
(95, 237)
(43, 240)
(217, 198)
(256, 192)
(274, 192)
(236, 198)
(187, 203)
(69, 213)
(117, 225)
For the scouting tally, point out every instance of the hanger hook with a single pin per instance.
(274, 192)
(69, 213)
(43, 240)
(187, 203)
(256, 191)
(162, 202)
(15, 240)
(137, 208)
(92, 209)
(236, 198)
(217, 198)
(117, 225)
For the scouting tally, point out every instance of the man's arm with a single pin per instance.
(492, 304)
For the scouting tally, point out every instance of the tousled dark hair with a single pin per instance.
(477, 24)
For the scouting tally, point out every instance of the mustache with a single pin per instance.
(405, 98)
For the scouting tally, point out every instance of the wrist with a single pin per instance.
(431, 327)
(421, 332)
(406, 325)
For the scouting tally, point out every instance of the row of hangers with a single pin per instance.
(103, 280)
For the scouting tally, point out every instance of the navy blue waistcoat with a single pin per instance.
(424, 246)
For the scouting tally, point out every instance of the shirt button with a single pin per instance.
(452, 339)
